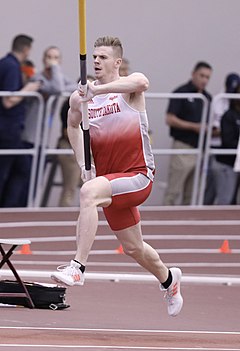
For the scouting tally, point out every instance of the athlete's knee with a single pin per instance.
(88, 195)
(95, 193)
(134, 250)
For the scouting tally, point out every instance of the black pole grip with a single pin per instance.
(87, 155)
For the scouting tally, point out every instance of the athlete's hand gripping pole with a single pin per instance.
(83, 71)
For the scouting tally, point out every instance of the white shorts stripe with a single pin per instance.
(126, 185)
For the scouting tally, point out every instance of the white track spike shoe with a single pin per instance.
(69, 275)
(172, 294)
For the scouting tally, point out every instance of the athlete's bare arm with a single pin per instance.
(131, 87)
(134, 83)
(75, 133)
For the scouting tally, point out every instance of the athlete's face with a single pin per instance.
(106, 63)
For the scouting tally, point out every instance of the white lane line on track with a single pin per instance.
(115, 252)
(116, 330)
(143, 223)
(165, 237)
(143, 208)
(133, 277)
(133, 264)
(116, 347)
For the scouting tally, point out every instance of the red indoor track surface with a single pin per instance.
(121, 314)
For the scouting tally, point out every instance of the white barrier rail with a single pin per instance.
(198, 151)
(53, 104)
(41, 150)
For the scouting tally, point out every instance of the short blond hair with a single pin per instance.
(114, 42)
(52, 47)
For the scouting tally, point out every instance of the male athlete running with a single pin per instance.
(124, 168)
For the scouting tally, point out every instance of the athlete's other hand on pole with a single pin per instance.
(86, 93)
(84, 172)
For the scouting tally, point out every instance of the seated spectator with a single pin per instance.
(184, 120)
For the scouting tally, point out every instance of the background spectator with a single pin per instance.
(14, 169)
(227, 179)
(219, 107)
(184, 120)
(53, 82)
(124, 68)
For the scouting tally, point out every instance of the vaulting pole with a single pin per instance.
(83, 74)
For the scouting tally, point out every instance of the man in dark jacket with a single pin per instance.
(14, 170)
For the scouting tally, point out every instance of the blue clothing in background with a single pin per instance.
(14, 169)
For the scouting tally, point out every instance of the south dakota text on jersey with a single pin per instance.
(104, 111)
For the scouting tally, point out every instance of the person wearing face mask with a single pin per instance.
(53, 80)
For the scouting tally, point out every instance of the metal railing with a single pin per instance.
(46, 151)
(53, 105)
(196, 151)
(41, 149)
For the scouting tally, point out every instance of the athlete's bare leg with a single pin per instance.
(95, 192)
(134, 246)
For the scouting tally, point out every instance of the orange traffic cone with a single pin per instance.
(25, 250)
(225, 247)
(120, 250)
